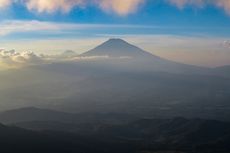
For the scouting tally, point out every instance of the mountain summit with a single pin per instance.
(117, 48)
(140, 59)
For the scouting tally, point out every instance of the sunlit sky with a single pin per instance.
(189, 31)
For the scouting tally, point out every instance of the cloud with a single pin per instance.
(16, 59)
(5, 3)
(20, 26)
(226, 44)
(50, 6)
(13, 59)
(223, 4)
(182, 3)
(8, 27)
(86, 58)
(120, 7)
(15, 26)
(27, 57)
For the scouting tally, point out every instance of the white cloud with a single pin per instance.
(223, 4)
(80, 58)
(27, 57)
(50, 6)
(5, 3)
(8, 27)
(226, 44)
(19, 26)
(121, 7)
(16, 59)
(182, 3)
(13, 59)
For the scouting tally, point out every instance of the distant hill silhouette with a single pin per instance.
(68, 53)
(47, 116)
(32, 113)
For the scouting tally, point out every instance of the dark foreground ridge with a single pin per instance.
(178, 135)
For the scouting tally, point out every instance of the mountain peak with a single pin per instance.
(69, 52)
(116, 40)
(116, 47)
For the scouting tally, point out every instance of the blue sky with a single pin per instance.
(189, 30)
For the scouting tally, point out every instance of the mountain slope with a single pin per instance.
(118, 48)
(138, 58)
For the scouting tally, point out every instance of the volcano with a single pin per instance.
(118, 48)
(139, 58)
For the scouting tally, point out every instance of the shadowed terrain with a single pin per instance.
(143, 135)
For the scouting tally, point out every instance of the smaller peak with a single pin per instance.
(69, 52)
(27, 108)
(23, 109)
(115, 39)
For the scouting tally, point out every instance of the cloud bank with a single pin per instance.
(225, 4)
(5, 3)
(226, 44)
(50, 6)
(13, 59)
(22, 26)
(8, 27)
(182, 3)
(16, 59)
(120, 7)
